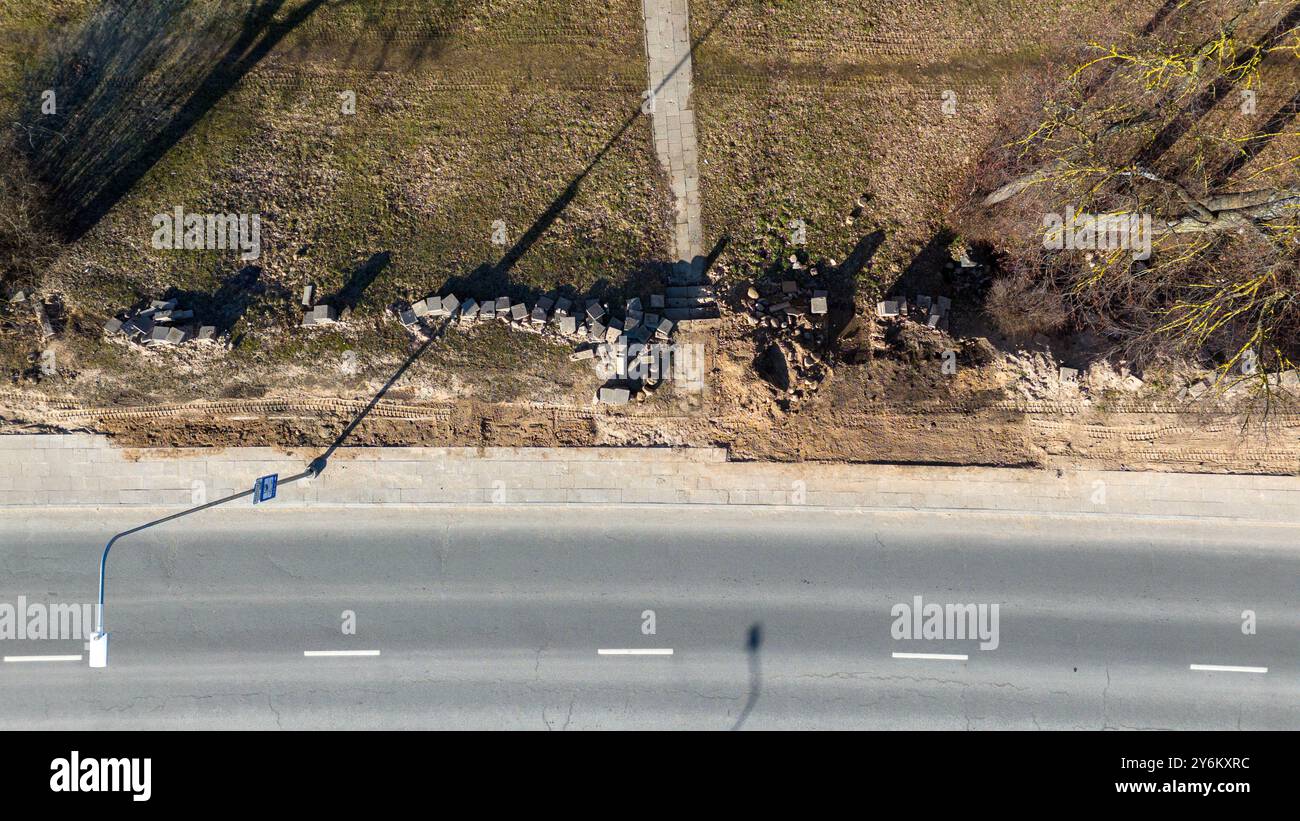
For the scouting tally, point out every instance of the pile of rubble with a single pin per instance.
(611, 343)
(159, 324)
(19, 297)
(933, 313)
(791, 320)
(786, 305)
(575, 321)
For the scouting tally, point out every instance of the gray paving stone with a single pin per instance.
(614, 396)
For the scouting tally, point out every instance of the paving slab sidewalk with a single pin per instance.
(83, 470)
(668, 55)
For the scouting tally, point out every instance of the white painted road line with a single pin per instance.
(933, 656)
(42, 658)
(654, 651)
(1226, 668)
(319, 653)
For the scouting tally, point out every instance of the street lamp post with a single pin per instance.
(99, 639)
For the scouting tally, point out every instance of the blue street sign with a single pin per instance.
(264, 488)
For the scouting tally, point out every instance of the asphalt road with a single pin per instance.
(493, 617)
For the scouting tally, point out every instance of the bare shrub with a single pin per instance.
(1021, 307)
(1151, 125)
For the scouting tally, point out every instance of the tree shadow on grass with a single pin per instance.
(352, 292)
(225, 306)
(131, 84)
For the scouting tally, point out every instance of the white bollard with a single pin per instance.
(99, 650)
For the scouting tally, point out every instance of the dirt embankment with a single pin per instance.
(885, 410)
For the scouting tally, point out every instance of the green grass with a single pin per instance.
(467, 113)
(805, 105)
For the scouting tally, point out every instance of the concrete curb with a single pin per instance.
(84, 471)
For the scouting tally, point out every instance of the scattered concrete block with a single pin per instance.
(158, 335)
(175, 336)
(450, 304)
(595, 311)
(887, 308)
(615, 396)
(469, 309)
(545, 303)
(137, 326)
(583, 354)
(539, 315)
(945, 305)
(923, 302)
(163, 304)
(323, 314)
(488, 310)
(1070, 375)
(596, 330)
(563, 305)
(408, 318)
(1198, 389)
(421, 307)
(308, 295)
(656, 300)
(207, 333)
(503, 305)
(818, 304)
(518, 312)
(664, 329)
(113, 326)
(568, 325)
(933, 320)
(614, 329)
